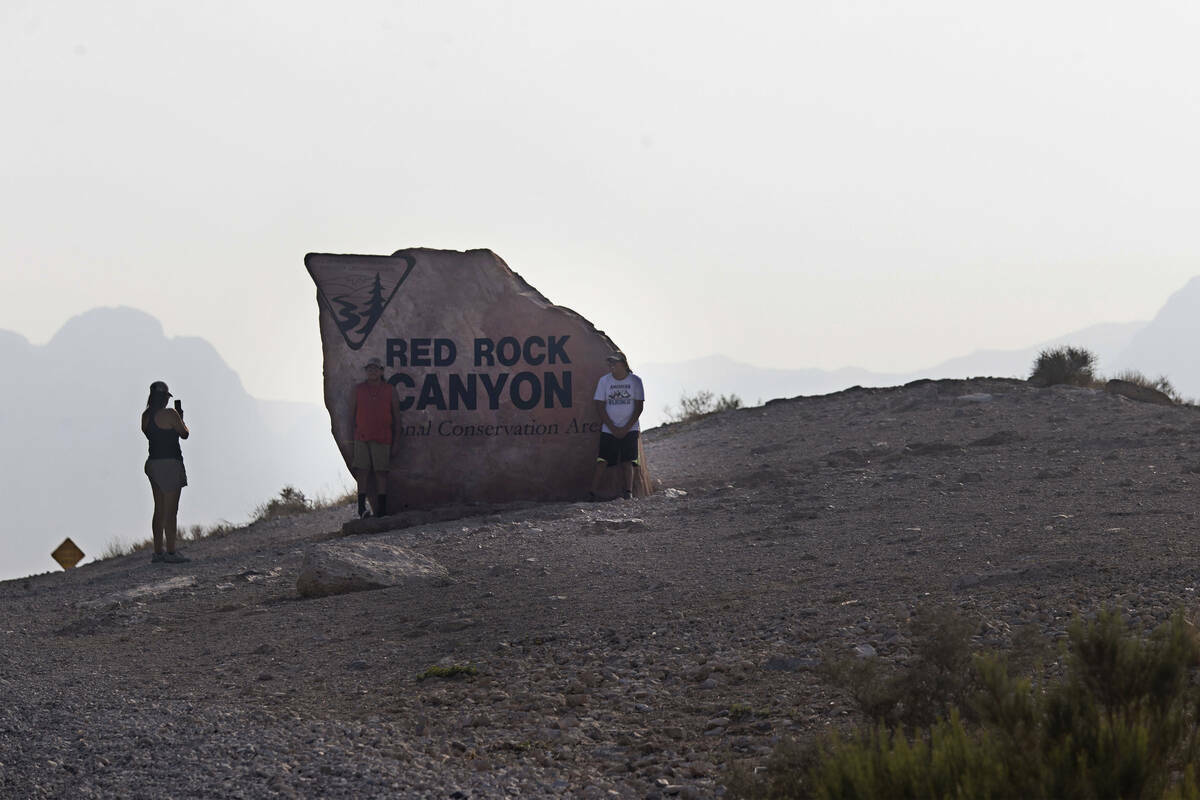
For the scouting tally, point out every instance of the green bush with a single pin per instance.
(932, 683)
(1120, 722)
(701, 404)
(1064, 365)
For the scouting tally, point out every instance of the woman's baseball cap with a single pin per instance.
(160, 386)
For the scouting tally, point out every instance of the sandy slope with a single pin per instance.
(612, 640)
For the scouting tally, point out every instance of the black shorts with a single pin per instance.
(615, 451)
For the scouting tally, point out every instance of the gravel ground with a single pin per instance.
(624, 649)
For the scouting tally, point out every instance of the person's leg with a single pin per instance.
(360, 465)
(170, 510)
(381, 462)
(629, 460)
(607, 456)
(598, 476)
(381, 480)
(363, 478)
(156, 523)
(627, 477)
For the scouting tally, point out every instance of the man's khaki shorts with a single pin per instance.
(371, 456)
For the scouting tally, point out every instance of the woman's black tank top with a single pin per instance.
(163, 443)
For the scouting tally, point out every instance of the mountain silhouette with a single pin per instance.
(1166, 346)
(69, 413)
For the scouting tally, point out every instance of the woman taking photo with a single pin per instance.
(164, 428)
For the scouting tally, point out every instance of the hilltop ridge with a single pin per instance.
(635, 647)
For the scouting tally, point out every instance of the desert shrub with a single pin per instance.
(345, 498)
(1070, 365)
(785, 776)
(935, 680)
(214, 531)
(701, 404)
(290, 501)
(293, 501)
(1121, 721)
(114, 549)
(1161, 384)
(449, 673)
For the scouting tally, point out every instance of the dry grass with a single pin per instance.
(289, 502)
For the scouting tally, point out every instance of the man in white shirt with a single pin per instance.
(619, 401)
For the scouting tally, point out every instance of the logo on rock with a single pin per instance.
(356, 305)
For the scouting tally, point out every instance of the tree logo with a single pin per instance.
(357, 307)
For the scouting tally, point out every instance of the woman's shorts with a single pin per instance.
(371, 456)
(615, 451)
(166, 474)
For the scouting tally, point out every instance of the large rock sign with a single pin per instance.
(495, 382)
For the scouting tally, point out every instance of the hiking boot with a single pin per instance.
(156, 558)
(175, 558)
(628, 495)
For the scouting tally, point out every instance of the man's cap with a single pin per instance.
(160, 386)
(616, 355)
(374, 362)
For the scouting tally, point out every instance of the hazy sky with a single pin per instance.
(790, 184)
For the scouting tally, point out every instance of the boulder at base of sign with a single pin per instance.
(493, 381)
(356, 565)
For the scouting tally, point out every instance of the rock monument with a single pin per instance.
(494, 381)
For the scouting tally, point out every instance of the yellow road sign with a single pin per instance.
(68, 554)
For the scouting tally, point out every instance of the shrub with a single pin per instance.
(450, 672)
(290, 501)
(1070, 365)
(1161, 384)
(213, 531)
(1121, 722)
(701, 404)
(934, 681)
(116, 548)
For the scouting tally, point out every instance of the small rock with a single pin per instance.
(355, 565)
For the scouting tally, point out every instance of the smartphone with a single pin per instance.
(179, 406)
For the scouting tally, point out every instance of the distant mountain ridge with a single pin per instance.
(666, 382)
(1163, 346)
(69, 420)
(68, 417)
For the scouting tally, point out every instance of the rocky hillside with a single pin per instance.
(623, 649)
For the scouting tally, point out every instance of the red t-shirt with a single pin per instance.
(373, 412)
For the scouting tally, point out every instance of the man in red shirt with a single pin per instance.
(375, 410)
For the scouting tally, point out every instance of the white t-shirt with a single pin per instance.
(618, 397)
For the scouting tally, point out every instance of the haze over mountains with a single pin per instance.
(69, 423)
(68, 418)
(1163, 346)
